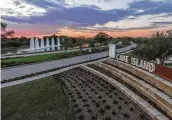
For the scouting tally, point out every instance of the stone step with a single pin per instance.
(152, 79)
(158, 97)
(150, 110)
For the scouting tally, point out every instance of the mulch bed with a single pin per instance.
(92, 98)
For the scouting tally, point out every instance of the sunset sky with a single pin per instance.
(87, 17)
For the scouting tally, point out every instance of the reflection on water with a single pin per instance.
(14, 50)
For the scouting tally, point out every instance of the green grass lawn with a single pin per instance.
(46, 57)
(37, 100)
(37, 58)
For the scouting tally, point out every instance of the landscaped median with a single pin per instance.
(46, 57)
(148, 108)
(39, 58)
(87, 97)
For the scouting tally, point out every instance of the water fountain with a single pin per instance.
(53, 44)
(42, 45)
(47, 45)
(32, 44)
(58, 44)
(37, 45)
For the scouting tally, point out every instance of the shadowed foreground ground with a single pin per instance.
(37, 100)
(90, 98)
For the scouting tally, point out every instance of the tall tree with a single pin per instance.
(158, 48)
(102, 38)
(80, 42)
(4, 32)
(92, 43)
(65, 43)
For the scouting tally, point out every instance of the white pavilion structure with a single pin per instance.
(37, 45)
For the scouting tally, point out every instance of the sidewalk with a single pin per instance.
(8, 73)
(28, 69)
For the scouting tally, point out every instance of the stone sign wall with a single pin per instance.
(156, 69)
(164, 72)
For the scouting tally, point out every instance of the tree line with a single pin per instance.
(157, 48)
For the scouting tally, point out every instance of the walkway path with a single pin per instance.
(8, 73)
(28, 69)
(43, 75)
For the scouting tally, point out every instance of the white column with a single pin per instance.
(52, 44)
(58, 44)
(32, 44)
(47, 45)
(42, 45)
(112, 50)
(37, 45)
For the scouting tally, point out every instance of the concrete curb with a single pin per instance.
(11, 73)
(43, 75)
(154, 114)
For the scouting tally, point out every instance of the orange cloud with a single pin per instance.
(88, 33)
(91, 33)
(129, 33)
(30, 34)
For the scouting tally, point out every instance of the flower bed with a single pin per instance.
(128, 86)
(92, 98)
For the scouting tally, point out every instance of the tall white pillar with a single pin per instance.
(32, 44)
(42, 45)
(37, 45)
(52, 44)
(47, 45)
(58, 44)
(112, 50)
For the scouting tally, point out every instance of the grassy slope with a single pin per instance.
(37, 58)
(37, 100)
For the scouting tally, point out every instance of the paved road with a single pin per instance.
(8, 73)
(28, 69)
(43, 75)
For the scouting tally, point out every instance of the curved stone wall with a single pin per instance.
(160, 83)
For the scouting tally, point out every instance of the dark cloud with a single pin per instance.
(42, 3)
(151, 8)
(107, 0)
(162, 22)
(122, 29)
(22, 6)
(16, 3)
(91, 15)
(80, 15)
